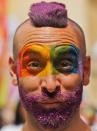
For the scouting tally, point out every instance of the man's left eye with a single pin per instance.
(64, 66)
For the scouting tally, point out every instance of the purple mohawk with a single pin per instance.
(49, 14)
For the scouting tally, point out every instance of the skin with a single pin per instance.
(34, 84)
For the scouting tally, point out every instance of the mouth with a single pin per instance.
(50, 104)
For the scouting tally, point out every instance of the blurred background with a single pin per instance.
(12, 13)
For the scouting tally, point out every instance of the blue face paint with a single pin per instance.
(65, 59)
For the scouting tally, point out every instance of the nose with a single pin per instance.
(50, 86)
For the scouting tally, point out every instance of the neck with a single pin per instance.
(75, 125)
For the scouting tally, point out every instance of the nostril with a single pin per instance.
(51, 94)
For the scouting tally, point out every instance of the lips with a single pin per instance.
(50, 101)
(50, 104)
(54, 104)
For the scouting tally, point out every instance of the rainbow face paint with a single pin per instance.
(43, 60)
(33, 60)
(65, 58)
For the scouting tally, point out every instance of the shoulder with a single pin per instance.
(12, 128)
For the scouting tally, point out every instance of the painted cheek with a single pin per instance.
(24, 73)
(21, 72)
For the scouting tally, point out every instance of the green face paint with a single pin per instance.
(65, 58)
(43, 60)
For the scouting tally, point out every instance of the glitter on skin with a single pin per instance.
(52, 58)
(52, 117)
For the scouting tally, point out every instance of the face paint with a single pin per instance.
(43, 60)
(33, 60)
(53, 118)
(65, 58)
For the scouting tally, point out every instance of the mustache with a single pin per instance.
(67, 97)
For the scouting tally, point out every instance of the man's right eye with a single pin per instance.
(34, 66)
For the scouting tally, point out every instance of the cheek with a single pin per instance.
(70, 82)
(29, 84)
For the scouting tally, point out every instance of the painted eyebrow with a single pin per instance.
(72, 50)
(31, 51)
(77, 50)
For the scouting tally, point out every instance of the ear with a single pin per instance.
(86, 70)
(12, 69)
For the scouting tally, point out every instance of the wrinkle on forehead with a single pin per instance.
(27, 33)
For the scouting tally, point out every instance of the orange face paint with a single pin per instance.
(33, 59)
(43, 60)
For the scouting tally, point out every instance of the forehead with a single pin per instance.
(46, 35)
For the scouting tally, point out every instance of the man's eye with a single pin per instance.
(34, 66)
(65, 66)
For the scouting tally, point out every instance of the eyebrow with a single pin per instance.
(32, 52)
(69, 49)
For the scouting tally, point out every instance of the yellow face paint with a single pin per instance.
(34, 59)
(43, 60)
(47, 70)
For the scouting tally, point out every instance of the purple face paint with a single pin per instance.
(56, 117)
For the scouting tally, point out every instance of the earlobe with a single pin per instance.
(12, 69)
(86, 70)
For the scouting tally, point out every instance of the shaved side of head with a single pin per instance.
(80, 34)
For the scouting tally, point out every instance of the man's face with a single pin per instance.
(50, 75)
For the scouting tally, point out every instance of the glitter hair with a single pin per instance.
(49, 14)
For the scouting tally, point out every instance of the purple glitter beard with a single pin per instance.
(53, 117)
